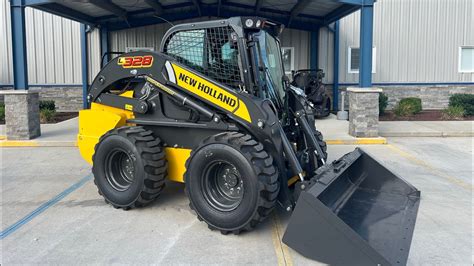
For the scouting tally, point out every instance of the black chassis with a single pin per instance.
(183, 120)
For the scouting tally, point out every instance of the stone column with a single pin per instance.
(364, 112)
(22, 119)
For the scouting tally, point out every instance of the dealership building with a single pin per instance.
(419, 48)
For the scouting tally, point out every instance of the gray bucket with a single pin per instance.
(354, 212)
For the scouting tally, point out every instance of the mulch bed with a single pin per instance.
(58, 117)
(430, 115)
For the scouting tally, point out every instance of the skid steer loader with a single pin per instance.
(214, 109)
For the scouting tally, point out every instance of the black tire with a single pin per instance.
(129, 167)
(322, 144)
(327, 108)
(254, 173)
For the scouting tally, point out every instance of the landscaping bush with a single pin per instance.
(408, 106)
(454, 112)
(2, 112)
(383, 102)
(46, 115)
(48, 105)
(464, 100)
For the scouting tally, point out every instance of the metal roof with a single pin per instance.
(121, 14)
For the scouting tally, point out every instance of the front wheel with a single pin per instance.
(231, 182)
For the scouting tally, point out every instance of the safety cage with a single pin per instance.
(210, 51)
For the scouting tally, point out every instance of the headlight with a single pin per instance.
(249, 23)
(258, 23)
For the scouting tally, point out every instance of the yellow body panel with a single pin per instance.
(95, 122)
(176, 163)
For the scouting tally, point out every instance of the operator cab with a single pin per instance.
(242, 53)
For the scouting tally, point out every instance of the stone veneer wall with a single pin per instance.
(67, 99)
(432, 98)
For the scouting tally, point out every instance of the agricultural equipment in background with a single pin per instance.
(311, 82)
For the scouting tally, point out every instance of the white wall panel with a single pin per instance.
(416, 41)
(53, 48)
(6, 67)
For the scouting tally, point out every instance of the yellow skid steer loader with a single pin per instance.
(214, 109)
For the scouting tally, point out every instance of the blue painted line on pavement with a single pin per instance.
(12, 228)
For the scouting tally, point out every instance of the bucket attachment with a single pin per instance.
(354, 212)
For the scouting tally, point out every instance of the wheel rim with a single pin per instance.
(223, 186)
(120, 169)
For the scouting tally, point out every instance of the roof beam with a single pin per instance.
(155, 4)
(111, 7)
(357, 2)
(198, 6)
(297, 8)
(66, 12)
(339, 13)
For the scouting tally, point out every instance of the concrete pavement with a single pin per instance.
(81, 229)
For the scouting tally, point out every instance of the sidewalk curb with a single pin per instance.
(34, 143)
(357, 141)
(429, 134)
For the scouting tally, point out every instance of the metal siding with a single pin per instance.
(300, 41)
(93, 50)
(53, 48)
(416, 41)
(6, 75)
(326, 56)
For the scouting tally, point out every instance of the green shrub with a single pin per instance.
(466, 101)
(408, 106)
(48, 105)
(454, 112)
(2, 111)
(46, 115)
(383, 102)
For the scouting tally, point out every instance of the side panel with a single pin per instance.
(95, 122)
(177, 163)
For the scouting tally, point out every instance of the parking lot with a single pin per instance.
(52, 213)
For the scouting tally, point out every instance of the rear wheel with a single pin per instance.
(231, 182)
(129, 167)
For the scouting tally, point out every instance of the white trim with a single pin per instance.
(460, 58)
(292, 60)
(374, 60)
(170, 71)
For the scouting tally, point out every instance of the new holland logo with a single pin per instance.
(218, 95)
(210, 91)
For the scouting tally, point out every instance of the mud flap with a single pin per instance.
(354, 212)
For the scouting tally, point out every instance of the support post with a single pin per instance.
(364, 112)
(314, 52)
(335, 92)
(85, 65)
(366, 38)
(20, 70)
